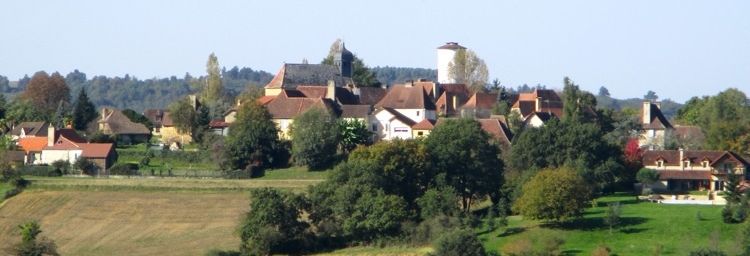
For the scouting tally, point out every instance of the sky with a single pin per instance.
(677, 48)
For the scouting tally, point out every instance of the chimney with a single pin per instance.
(455, 103)
(331, 90)
(646, 112)
(538, 106)
(104, 113)
(50, 135)
(682, 156)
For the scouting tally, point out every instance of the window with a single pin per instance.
(417, 112)
(400, 129)
(686, 163)
(374, 127)
(704, 164)
(420, 133)
(659, 163)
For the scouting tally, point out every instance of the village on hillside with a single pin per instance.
(406, 160)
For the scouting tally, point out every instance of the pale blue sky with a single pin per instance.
(677, 48)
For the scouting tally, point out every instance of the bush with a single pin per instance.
(124, 169)
(554, 194)
(462, 242)
(431, 229)
(601, 250)
(707, 252)
(87, 167)
(216, 252)
(38, 170)
(437, 202)
(60, 167)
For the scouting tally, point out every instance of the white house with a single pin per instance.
(402, 107)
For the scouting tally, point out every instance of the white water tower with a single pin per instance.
(445, 55)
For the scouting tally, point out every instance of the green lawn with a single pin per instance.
(294, 173)
(4, 187)
(677, 229)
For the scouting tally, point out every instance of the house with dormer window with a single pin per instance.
(683, 170)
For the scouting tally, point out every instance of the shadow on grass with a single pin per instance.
(592, 224)
(632, 200)
(571, 252)
(512, 231)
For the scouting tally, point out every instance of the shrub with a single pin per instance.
(315, 138)
(601, 250)
(38, 170)
(543, 245)
(86, 166)
(124, 169)
(60, 167)
(216, 252)
(707, 252)
(431, 229)
(437, 202)
(554, 194)
(521, 247)
(462, 242)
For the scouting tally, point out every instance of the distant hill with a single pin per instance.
(139, 94)
(668, 107)
(393, 75)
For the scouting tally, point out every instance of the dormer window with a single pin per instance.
(417, 112)
(704, 164)
(686, 163)
(659, 163)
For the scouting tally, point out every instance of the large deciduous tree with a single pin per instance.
(554, 194)
(47, 92)
(252, 139)
(315, 138)
(578, 105)
(84, 111)
(724, 118)
(467, 68)
(462, 151)
(273, 223)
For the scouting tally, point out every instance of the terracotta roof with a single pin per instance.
(452, 46)
(342, 95)
(96, 150)
(455, 88)
(263, 100)
(403, 97)
(167, 120)
(371, 95)
(658, 120)
(685, 131)
(120, 124)
(496, 129)
(672, 157)
(217, 123)
(32, 144)
(156, 116)
(35, 129)
(355, 111)
(481, 101)
(550, 102)
(424, 125)
(526, 107)
(283, 107)
(684, 175)
(292, 75)
(70, 135)
(444, 104)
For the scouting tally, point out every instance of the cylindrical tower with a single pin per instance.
(445, 55)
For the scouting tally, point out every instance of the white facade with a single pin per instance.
(417, 115)
(534, 121)
(445, 56)
(389, 127)
(71, 155)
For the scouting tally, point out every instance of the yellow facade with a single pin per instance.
(170, 134)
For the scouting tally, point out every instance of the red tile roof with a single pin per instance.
(424, 125)
(283, 107)
(32, 144)
(481, 101)
(684, 175)
(496, 129)
(404, 97)
(265, 99)
(217, 123)
(96, 150)
(672, 157)
(444, 103)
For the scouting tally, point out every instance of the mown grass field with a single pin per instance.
(677, 229)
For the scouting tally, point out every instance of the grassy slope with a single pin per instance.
(645, 225)
(128, 222)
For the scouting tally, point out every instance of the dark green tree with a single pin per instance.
(252, 139)
(353, 133)
(315, 139)
(578, 105)
(554, 194)
(83, 112)
(462, 242)
(651, 95)
(273, 225)
(462, 151)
